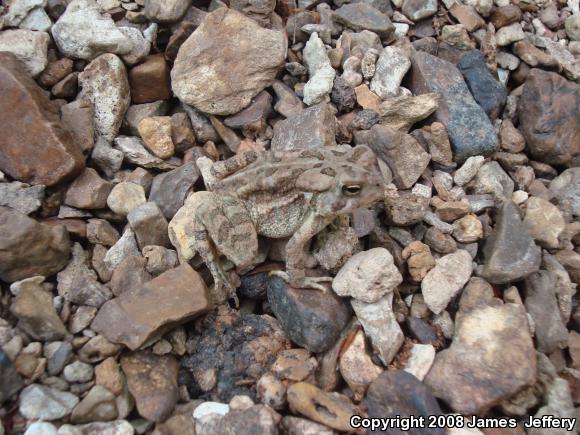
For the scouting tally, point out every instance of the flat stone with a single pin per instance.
(510, 253)
(138, 317)
(367, 276)
(126, 197)
(38, 402)
(88, 191)
(150, 80)
(469, 128)
(83, 33)
(363, 16)
(156, 135)
(417, 10)
(21, 197)
(28, 47)
(29, 248)
(105, 86)
(468, 16)
(311, 128)
(149, 225)
(166, 11)
(32, 129)
(549, 116)
(98, 405)
(402, 112)
(10, 381)
(313, 320)
(226, 62)
(544, 222)
(446, 279)
(392, 66)
(169, 190)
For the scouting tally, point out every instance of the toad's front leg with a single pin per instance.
(296, 255)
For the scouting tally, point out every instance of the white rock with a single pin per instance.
(166, 11)
(391, 67)
(28, 46)
(78, 372)
(207, 408)
(38, 402)
(446, 279)
(509, 34)
(420, 361)
(519, 197)
(401, 29)
(320, 71)
(41, 428)
(107, 5)
(82, 32)
(105, 85)
(141, 46)
(37, 19)
(468, 170)
(367, 276)
(380, 325)
(18, 11)
(125, 247)
(117, 427)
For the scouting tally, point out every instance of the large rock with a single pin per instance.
(226, 62)
(83, 33)
(470, 131)
(29, 248)
(105, 85)
(549, 114)
(137, 317)
(29, 47)
(510, 252)
(34, 145)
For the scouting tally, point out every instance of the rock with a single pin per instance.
(311, 128)
(97, 349)
(108, 374)
(101, 232)
(362, 16)
(544, 222)
(400, 113)
(169, 190)
(97, 405)
(258, 419)
(29, 248)
(446, 279)
(21, 197)
(492, 179)
(420, 361)
(566, 188)
(117, 427)
(504, 15)
(331, 409)
(419, 260)
(58, 354)
(492, 348)
(129, 275)
(166, 12)
(83, 33)
(81, 319)
(10, 380)
(469, 128)
(43, 403)
(152, 380)
(509, 34)
(391, 68)
(367, 276)
(313, 320)
(455, 37)
(398, 393)
(32, 129)
(572, 26)
(78, 372)
(175, 297)
(468, 170)
(17, 12)
(156, 135)
(126, 246)
(137, 112)
(510, 253)
(550, 121)
(320, 71)
(271, 391)
(511, 139)
(149, 225)
(88, 191)
(343, 95)
(467, 16)
(247, 60)
(488, 92)
(105, 86)
(296, 426)
(41, 428)
(150, 80)
(334, 247)
(416, 10)
(542, 306)
(135, 152)
(140, 46)
(407, 207)
(78, 283)
(28, 47)
(380, 325)
(533, 56)
(468, 229)
(77, 118)
(126, 197)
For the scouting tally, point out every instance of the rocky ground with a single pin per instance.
(456, 295)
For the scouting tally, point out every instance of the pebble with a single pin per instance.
(109, 375)
(208, 408)
(38, 402)
(126, 197)
(320, 72)
(98, 405)
(78, 372)
(41, 428)
(492, 179)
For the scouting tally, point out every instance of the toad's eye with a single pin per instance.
(351, 189)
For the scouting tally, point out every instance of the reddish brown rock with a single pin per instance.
(34, 146)
(505, 15)
(55, 72)
(150, 80)
(549, 114)
(88, 191)
(139, 316)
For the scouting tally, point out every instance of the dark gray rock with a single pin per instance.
(254, 286)
(169, 190)
(343, 95)
(490, 94)
(10, 380)
(312, 319)
(422, 331)
(362, 16)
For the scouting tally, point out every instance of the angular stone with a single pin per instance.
(311, 128)
(129, 275)
(21, 197)
(138, 317)
(29, 248)
(169, 190)
(83, 33)
(34, 145)
(88, 191)
(417, 10)
(391, 68)
(362, 16)
(150, 80)
(549, 115)
(510, 253)
(544, 222)
(504, 15)
(135, 152)
(38, 402)
(533, 56)
(468, 229)
(406, 207)
(125, 247)
(77, 118)
(469, 128)
(226, 62)
(509, 34)
(467, 15)
(320, 71)
(126, 197)
(101, 232)
(149, 225)
(400, 113)
(137, 112)
(28, 47)
(104, 84)
(313, 320)
(140, 46)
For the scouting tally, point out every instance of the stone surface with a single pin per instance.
(88, 191)
(367, 276)
(391, 68)
(258, 419)
(313, 320)
(83, 33)
(32, 128)
(29, 248)
(549, 115)
(21, 197)
(124, 247)
(363, 16)
(446, 279)
(150, 80)
(510, 253)
(138, 317)
(226, 62)
(43, 403)
(320, 71)
(544, 222)
(311, 128)
(509, 34)
(98, 405)
(420, 361)
(126, 197)
(28, 47)
(156, 135)
(166, 11)
(469, 128)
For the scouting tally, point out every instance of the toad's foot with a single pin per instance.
(304, 282)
